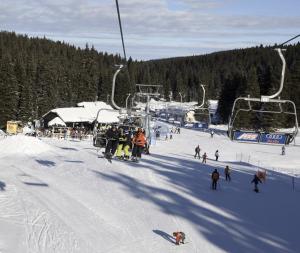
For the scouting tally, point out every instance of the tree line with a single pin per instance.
(37, 75)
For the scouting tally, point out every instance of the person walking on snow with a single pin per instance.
(217, 155)
(197, 152)
(179, 237)
(212, 133)
(204, 157)
(215, 177)
(256, 180)
(227, 173)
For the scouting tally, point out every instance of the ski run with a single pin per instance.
(58, 196)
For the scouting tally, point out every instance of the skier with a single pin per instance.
(197, 152)
(283, 150)
(139, 141)
(179, 237)
(212, 133)
(215, 177)
(178, 130)
(127, 144)
(204, 157)
(227, 173)
(256, 180)
(217, 155)
(112, 137)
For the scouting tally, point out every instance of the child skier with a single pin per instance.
(256, 180)
(204, 157)
(179, 237)
(283, 150)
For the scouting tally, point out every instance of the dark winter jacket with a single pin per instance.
(197, 149)
(256, 180)
(215, 175)
(112, 134)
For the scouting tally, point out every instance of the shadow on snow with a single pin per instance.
(233, 218)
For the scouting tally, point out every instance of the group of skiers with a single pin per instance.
(204, 156)
(215, 176)
(119, 142)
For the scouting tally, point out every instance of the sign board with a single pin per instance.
(273, 138)
(246, 136)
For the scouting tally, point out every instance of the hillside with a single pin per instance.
(60, 197)
(38, 75)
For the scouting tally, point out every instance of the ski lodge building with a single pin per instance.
(84, 115)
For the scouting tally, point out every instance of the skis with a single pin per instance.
(108, 157)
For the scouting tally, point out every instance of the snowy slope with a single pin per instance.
(60, 197)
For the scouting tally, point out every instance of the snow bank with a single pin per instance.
(20, 144)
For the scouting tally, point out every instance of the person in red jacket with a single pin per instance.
(179, 237)
(139, 142)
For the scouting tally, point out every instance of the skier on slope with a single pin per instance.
(217, 155)
(256, 180)
(197, 152)
(215, 177)
(283, 150)
(179, 237)
(227, 173)
(204, 157)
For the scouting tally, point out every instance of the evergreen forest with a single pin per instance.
(37, 75)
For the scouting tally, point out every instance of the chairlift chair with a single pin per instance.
(101, 126)
(201, 114)
(265, 100)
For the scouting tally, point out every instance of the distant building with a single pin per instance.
(83, 115)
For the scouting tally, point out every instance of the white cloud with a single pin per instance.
(157, 24)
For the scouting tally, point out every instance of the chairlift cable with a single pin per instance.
(289, 40)
(121, 30)
(122, 37)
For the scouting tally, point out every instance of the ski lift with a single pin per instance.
(200, 115)
(148, 91)
(264, 105)
(105, 119)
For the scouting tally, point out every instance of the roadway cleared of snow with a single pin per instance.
(58, 196)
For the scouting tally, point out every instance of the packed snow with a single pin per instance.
(59, 196)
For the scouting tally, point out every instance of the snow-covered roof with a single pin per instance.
(74, 114)
(85, 112)
(93, 107)
(108, 116)
(56, 121)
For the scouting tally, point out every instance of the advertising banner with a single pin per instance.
(273, 138)
(246, 136)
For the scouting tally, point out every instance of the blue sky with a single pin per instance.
(156, 28)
